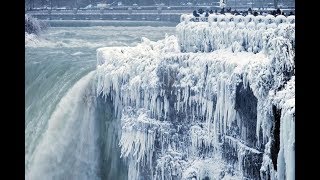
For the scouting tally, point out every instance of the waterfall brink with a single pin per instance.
(68, 148)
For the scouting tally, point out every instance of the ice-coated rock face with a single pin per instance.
(209, 115)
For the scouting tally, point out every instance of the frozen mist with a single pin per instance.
(216, 101)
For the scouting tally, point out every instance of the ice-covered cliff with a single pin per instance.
(215, 102)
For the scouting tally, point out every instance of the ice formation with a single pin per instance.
(229, 31)
(33, 28)
(32, 25)
(215, 102)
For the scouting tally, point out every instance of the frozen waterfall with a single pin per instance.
(216, 101)
(206, 104)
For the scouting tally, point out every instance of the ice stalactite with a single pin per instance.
(225, 112)
(200, 140)
(137, 140)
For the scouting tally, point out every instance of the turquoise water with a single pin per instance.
(57, 60)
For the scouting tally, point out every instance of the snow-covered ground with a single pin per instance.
(177, 100)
